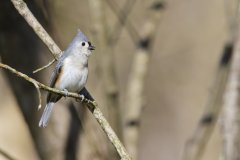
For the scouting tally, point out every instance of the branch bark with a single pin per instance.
(195, 146)
(122, 16)
(39, 30)
(231, 110)
(22, 8)
(135, 95)
(109, 88)
(92, 106)
(231, 126)
(106, 61)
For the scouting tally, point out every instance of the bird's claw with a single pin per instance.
(82, 98)
(65, 92)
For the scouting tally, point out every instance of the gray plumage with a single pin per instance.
(70, 73)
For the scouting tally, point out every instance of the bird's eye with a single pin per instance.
(83, 43)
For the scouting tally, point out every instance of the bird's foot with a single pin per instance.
(82, 97)
(65, 92)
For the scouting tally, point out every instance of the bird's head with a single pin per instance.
(84, 45)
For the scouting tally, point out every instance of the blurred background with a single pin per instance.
(152, 73)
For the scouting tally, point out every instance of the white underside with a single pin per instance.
(74, 76)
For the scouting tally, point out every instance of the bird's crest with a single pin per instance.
(80, 36)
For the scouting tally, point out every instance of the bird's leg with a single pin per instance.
(65, 92)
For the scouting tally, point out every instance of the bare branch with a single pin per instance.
(37, 27)
(44, 67)
(195, 146)
(92, 106)
(39, 96)
(231, 126)
(231, 110)
(122, 16)
(106, 59)
(55, 50)
(134, 94)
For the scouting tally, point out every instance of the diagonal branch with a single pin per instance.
(231, 110)
(22, 8)
(92, 106)
(37, 27)
(122, 15)
(135, 87)
(44, 67)
(196, 144)
(109, 89)
(39, 96)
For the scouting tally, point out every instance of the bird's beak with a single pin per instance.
(91, 48)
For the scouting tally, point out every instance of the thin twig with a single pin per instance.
(122, 18)
(44, 67)
(135, 87)
(92, 106)
(39, 96)
(55, 50)
(22, 8)
(110, 88)
(196, 145)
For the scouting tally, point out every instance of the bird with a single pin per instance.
(70, 73)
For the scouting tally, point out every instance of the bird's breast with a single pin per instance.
(73, 77)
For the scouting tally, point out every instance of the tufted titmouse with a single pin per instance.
(70, 74)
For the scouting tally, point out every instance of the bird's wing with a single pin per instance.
(57, 71)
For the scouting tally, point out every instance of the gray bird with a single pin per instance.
(70, 73)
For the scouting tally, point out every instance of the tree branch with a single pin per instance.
(122, 16)
(106, 59)
(231, 110)
(196, 144)
(92, 106)
(109, 89)
(44, 67)
(38, 29)
(135, 87)
(39, 96)
(231, 126)
(55, 50)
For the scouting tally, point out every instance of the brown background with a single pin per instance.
(187, 49)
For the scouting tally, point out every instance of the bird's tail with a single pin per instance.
(46, 114)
